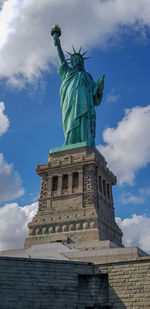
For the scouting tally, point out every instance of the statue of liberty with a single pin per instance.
(79, 95)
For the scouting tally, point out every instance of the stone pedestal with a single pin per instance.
(75, 203)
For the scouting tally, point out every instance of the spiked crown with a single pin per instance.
(78, 53)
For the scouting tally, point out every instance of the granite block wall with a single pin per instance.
(129, 283)
(47, 284)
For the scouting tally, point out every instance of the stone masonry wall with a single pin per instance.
(129, 283)
(47, 284)
(68, 208)
(89, 186)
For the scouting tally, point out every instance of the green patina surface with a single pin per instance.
(79, 95)
(71, 146)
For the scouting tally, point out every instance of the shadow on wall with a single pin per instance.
(54, 284)
(95, 292)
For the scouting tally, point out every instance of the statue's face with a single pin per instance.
(77, 61)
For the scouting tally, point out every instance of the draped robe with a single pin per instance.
(77, 104)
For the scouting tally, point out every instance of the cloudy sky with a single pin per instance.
(116, 34)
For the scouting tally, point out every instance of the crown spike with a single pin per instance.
(73, 49)
(68, 53)
(86, 58)
(84, 53)
(80, 49)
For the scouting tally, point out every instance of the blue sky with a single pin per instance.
(117, 36)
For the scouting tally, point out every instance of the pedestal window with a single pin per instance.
(104, 187)
(75, 183)
(55, 183)
(100, 183)
(108, 191)
(65, 182)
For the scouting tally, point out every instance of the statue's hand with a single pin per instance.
(99, 86)
(56, 40)
(100, 83)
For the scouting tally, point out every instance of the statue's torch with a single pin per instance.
(56, 31)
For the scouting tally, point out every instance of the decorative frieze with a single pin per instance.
(58, 228)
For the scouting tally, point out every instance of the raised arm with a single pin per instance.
(60, 53)
(98, 91)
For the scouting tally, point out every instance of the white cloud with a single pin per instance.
(127, 198)
(136, 231)
(26, 47)
(30, 210)
(2, 3)
(113, 96)
(145, 191)
(127, 146)
(139, 198)
(4, 122)
(13, 225)
(10, 182)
